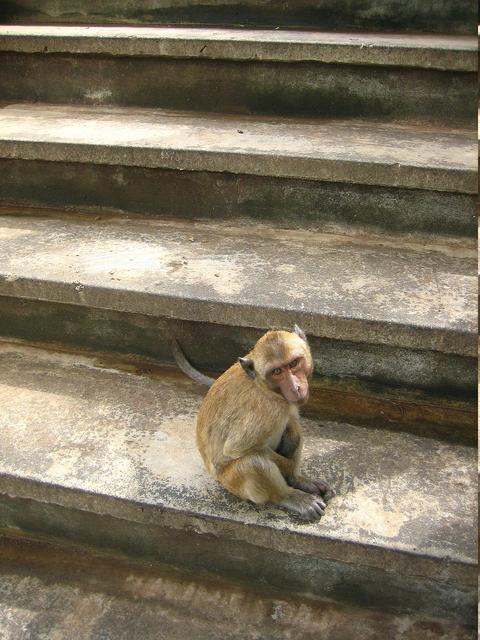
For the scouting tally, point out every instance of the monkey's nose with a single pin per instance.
(302, 394)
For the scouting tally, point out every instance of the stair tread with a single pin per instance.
(409, 156)
(361, 289)
(431, 51)
(107, 441)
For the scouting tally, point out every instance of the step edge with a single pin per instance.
(301, 167)
(458, 568)
(164, 42)
(447, 341)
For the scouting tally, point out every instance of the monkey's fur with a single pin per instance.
(248, 429)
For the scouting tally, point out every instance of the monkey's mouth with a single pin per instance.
(298, 399)
(291, 397)
(303, 400)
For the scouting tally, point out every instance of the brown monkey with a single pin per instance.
(248, 429)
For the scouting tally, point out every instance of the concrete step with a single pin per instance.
(325, 174)
(47, 590)
(108, 458)
(379, 311)
(448, 16)
(371, 75)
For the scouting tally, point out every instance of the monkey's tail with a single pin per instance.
(187, 368)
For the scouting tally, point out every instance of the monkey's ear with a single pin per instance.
(299, 332)
(247, 366)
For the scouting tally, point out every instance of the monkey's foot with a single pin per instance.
(318, 487)
(304, 505)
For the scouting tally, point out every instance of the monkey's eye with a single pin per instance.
(293, 363)
(277, 371)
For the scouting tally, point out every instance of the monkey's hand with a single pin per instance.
(317, 487)
(305, 505)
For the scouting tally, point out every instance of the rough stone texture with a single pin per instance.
(332, 151)
(199, 548)
(450, 16)
(284, 202)
(448, 52)
(363, 290)
(64, 592)
(269, 88)
(301, 89)
(105, 443)
(424, 392)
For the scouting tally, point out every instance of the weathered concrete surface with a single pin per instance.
(363, 290)
(69, 591)
(423, 392)
(287, 203)
(333, 151)
(105, 443)
(306, 89)
(447, 52)
(450, 16)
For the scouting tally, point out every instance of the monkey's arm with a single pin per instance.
(292, 440)
(289, 450)
(287, 466)
(287, 454)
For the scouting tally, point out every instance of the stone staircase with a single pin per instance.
(382, 15)
(208, 182)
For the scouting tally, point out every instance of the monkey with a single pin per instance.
(248, 428)
(185, 366)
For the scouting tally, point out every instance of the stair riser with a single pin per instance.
(408, 388)
(308, 89)
(286, 202)
(191, 546)
(54, 577)
(445, 374)
(413, 15)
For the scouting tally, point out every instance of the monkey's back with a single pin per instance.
(233, 412)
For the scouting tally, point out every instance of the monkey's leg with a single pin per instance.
(257, 478)
(290, 447)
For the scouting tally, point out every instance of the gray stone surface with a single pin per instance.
(371, 290)
(407, 389)
(457, 16)
(296, 89)
(335, 151)
(114, 444)
(286, 203)
(67, 592)
(448, 52)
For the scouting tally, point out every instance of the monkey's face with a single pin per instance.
(290, 379)
(281, 362)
